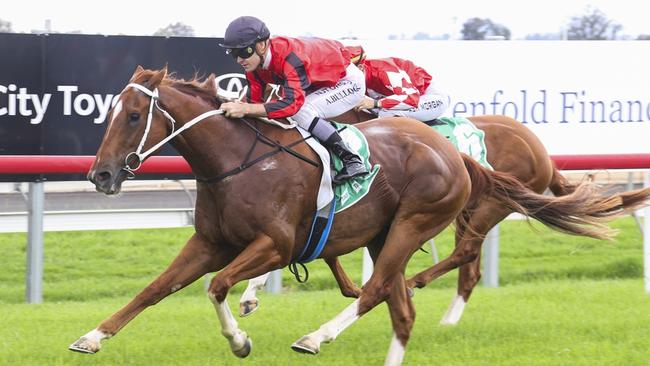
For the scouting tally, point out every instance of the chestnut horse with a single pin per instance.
(256, 194)
(511, 148)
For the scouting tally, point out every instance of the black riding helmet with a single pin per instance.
(245, 31)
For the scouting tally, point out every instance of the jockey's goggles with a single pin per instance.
(244, 52)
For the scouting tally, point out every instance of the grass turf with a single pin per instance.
(546, 323)
(563, 301)
(88, 265)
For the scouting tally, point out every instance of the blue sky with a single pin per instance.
(331, 18)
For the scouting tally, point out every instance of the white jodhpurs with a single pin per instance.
(333, 101)
(433, 103)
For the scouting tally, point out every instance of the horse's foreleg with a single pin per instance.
(347, 287)
(197, 258)
(257, 258)
(249, 302)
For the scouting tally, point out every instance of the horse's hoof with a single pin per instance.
(248, 307)
(447, 323)
(410, 283)
(85, 345)
(305, 345)
(410, 291)
(245, 350)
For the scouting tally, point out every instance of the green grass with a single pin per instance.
(88, 265)
(564, 301)
(552, 323)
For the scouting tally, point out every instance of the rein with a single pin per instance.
(259, 136)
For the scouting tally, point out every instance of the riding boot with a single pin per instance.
(352, 164)
(330, 138)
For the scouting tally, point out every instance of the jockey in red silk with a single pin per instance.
(316, 76)
(398, 87)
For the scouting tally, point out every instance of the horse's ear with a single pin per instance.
(138, 70)
(209, 83)
(157, 77)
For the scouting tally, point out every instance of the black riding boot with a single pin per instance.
(330, 138)
(352, 164)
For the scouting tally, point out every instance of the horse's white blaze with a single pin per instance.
(116, 111)
(254, 285)
(455, 311)
(395, 353)
(330, 330)
(229, 328)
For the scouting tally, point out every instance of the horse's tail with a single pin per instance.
(583, 211)
(560, 186)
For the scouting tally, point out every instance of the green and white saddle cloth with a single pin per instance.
(459, 130)
(353, 190)
(465, 136)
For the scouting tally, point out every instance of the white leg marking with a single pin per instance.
(249, 302)
(240, 344)
(395, 353)
(328, 331)
(455, 311)
(89, 342)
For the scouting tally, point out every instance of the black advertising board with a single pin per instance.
(56, 90)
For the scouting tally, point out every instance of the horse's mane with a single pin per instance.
(198, 86)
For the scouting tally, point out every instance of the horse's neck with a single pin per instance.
(212, 146)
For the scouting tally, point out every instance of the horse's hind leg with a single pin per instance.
(387, 281)
(197, 258)
(330, 330)
(466, 255)
(470, 273)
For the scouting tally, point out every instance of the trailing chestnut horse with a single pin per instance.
(251, 221)
(513, 149)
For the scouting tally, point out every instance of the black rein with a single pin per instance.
(259, 136)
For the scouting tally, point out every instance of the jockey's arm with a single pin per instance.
(240, 109)
(395, 102)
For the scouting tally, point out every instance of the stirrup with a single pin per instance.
(344, 175)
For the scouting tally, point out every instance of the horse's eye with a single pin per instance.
(134, 117)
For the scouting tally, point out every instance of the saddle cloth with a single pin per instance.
(353, 190)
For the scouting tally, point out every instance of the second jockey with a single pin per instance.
(317, 78)
(398, 87)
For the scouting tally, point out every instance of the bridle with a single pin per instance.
(154, 101)
(248, 161)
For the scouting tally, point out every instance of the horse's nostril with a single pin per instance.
(102, 177)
